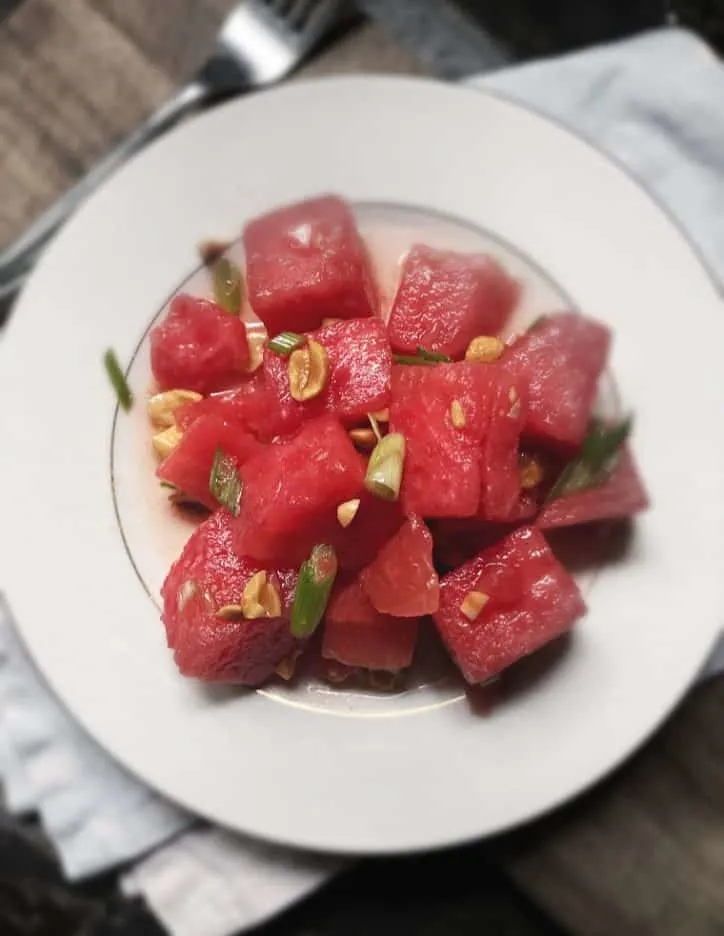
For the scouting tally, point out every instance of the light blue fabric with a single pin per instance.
(657, 104)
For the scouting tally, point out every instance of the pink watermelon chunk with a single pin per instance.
(253, 406)
(307, 262)
(292, 490)
(531, 600)
(451, 471)
(206, 577)
(445, 299)
(198, 346)
(375, 522)
(623, 495)
(360, 362)
(188, 467)
(559, 362)
(357, 635)
(401, 580)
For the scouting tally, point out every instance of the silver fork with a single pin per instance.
(260, 42)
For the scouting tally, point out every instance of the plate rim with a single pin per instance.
(683, 238)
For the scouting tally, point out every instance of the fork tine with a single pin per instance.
(298, 13)
(278, 7)
(316, 15)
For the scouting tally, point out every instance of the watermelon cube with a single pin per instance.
(208, 576)
(253, 406)
(375, 522)
(306, 262)
(188, 467)
(198, 346)
(559, 362)
(357, 635)
(458, 470)
(358, 381)
(401, 580)
(445, 299)
(622, 495)
(517, 596)
(292, 490)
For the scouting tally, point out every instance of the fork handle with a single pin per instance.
(19, 258)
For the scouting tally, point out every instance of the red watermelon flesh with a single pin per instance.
(358, 381)
(357, 635)
(292, 490)
(198, 346)
(375, 522)
(401, 580)
(188, 467)
(531, 601)
(559, 362)
(622, 495)
(360, 363)
(445, 299)
(252, 406)
(307, 262)
(448, 471)
(500, 494)
(207, 576)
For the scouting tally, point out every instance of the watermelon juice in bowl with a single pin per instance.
(365, 422)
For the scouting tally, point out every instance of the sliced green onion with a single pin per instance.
(375, 426)
(384, 469)
(169, 486)
(118, 380)
(421, 356)
(286, 342)
(316, 577)
(536, 323)
(598, 458)
(227, 285)
(225, 482)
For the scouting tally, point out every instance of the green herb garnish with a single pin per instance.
(225, 482)
(286, 342)
(375, 426)
(384, 469)
(536, 323)
(598, 458)
(118, 380)
(316, 577)
(227, 285)
(421, 356)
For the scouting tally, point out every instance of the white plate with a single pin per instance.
(349, 771)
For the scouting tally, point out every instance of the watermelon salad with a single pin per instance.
(359, 472)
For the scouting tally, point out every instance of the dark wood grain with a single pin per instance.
(643, 855)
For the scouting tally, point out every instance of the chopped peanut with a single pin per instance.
(231, 612)
(260, 598)
(161, 406)
(457, 414)
(364, 439)
(347, 511)
(484, 349)
(308, 370)
(257, 340)
(473, 604)
(166, 441)
(531, 472)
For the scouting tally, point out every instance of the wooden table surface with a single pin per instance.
(643, 853)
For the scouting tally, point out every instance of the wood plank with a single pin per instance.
(78, 75)
(642, 855)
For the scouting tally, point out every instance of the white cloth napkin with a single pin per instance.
(657, 103)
